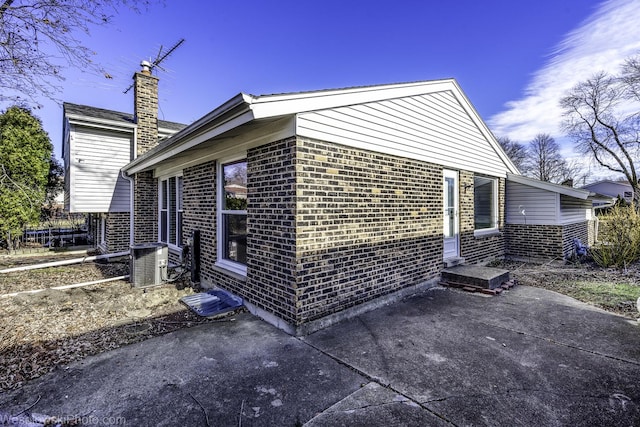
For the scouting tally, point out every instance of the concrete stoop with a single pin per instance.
(474, 278)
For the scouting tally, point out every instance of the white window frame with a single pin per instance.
(221, 262)
(496, 215)
(177, 245)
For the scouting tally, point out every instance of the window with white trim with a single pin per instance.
(485, 202)
(232, 216)
(170, 211)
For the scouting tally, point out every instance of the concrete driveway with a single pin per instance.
(442, 357)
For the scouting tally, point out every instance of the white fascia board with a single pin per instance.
(75, 119)
(176, 148)
(548, 186)
(278, 105)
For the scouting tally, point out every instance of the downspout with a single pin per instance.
(134, 152)
(131, 216)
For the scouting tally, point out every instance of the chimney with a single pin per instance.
(145, 100)
(145, 186)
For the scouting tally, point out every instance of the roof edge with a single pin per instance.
(549, 186)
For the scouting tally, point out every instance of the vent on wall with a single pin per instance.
(148, 266)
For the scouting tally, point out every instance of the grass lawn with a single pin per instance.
(608, 295)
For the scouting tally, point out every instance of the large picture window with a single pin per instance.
(170, 210)
(485, 198)
(232, 216)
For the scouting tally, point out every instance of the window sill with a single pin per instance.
(237, 271)
(490, 232)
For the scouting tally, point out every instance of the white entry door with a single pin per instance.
(451, 223)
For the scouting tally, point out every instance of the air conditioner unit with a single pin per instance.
(148, 264)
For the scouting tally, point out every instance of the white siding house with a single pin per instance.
(544, 219)
(97, 143)
(608, 191)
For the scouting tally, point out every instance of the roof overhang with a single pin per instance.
(548, 186)
(243, 109)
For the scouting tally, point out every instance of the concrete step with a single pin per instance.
(474, 275)
(452, 262)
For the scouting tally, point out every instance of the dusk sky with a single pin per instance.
(513, 59)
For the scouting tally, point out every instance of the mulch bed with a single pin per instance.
(50, 329)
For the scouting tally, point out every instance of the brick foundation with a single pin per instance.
(545, 241)
(117, 232)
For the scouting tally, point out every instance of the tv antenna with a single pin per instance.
(161, 56)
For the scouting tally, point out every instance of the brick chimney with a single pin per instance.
(145, 187)
(145, 100)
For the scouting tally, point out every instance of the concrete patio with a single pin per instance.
(443, 357)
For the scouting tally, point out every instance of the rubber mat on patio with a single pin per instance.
(212, 302)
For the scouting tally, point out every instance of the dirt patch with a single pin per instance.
(49, 329)
(611, 289)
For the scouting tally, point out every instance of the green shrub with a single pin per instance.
(620, 239)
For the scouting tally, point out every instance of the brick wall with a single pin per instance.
(117, 232)
(368, 224)
(545, 241)
(482, 248)
(199, 207)
(146, 111)
(145, 208)
(271, 247)
(534, 241)
(145, 200)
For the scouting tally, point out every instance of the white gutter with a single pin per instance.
(187, 137)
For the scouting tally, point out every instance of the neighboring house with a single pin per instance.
(543, 219)
(97, 143)
(609, 191)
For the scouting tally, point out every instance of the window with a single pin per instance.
(232, 216)
(170, 208)
(485, 200)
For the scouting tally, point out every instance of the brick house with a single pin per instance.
(312, 206)
(96, 144)
(315, 206)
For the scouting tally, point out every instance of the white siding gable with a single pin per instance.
(95, 159)
(432, 127)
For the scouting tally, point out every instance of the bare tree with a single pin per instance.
(601, 114)
(545, 162)
(517, 152)
(40, 38)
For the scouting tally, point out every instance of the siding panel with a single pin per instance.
(433, 128)
(95, 160)
(541, 207)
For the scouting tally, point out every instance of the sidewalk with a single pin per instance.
(443, 357)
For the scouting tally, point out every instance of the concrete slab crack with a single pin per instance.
(563, 344)
(377, 381)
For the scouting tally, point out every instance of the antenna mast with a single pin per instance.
(159, 58)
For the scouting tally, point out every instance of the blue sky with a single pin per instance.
(513, 59)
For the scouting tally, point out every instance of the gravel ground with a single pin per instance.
(52, 328)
